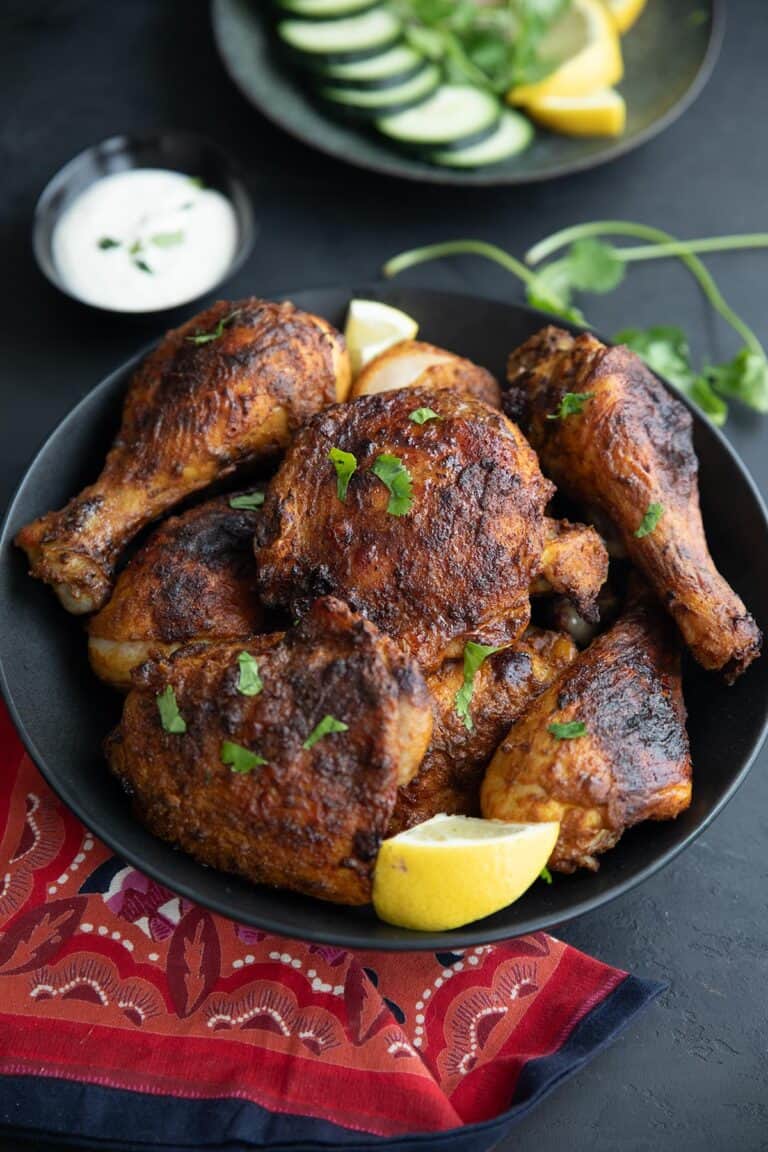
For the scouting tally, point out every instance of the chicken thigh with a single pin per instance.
(193, 580)
(290, 776)
(623, 444)
(229, 386)
(452, 769)
(433, 530)
(604, 746)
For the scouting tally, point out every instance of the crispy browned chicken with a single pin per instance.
(413, 364)
(574, 564)
(259, 784)
(629, 452)
(443, 554)
(452, 769)
(193, 580)
(631, 761)
(229, 386)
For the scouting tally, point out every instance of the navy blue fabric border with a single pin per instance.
(90, 1116)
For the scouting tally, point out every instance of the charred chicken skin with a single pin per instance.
(193, 580)
(451, 772)
(628, 451)
(288, 807)
(631, 761)
(455, 559)
(229, 386)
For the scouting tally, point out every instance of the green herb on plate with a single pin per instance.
(397, 479)
(570, 730)
(572, 404)
(238, 759)
(170, 717)
(474, 655)
(249, 682)
(345, 464)
(217, 332)
(651, 518)
(422, 415)
(326, 727)
(249, 501)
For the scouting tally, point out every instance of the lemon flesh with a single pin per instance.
(372, 327)
(586, 40)
(602, 113)
(452, 870)
(624, 12)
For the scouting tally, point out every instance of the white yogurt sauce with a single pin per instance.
(145, 239)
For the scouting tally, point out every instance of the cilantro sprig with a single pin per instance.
(249, 501)
(170, 717)
(592, 263)
(653, 514)
(249, 682)
(567, 730)
(238, 759)
(216, 333)
(571, 404)
(345, 464)
(423, 415)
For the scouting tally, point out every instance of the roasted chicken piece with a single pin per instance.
(193, 580)
(229, 386)
(574, 564)
(626, 448)
(258, 783)
(412, 364)
(442, 553)
(452, 769)
(632, 761)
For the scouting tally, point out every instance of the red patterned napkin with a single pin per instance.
(130, 1015)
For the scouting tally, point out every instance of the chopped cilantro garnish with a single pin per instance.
(422, 415)
(248, 501)
(569, 730)
(170, 717)
(217, 332)
(327, 725)
(650, 520)
(474, 655)
(240, 759)
(249, 682)
(345, 464)
(396, 477)
(572, 404)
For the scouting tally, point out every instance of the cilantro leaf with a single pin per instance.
(570, 730)
(345, 464)
(422, 415)
(249, 501)
(665, 351)
(106, 242)
(652, 516)
(143, 266)
(167, 239)
(249, 682)
(745, 378)
(170, 717)
(474, 655)
(239, 759)
(550, 291)
(327, 725)
(545, 875)
(217, 332)
(572, 404)
(396, 477)
(594, 266)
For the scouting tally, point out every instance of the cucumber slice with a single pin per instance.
(391, 67)
(454, 116)
(390, 99)
(512, 136)
(354, 36)
(324, 9)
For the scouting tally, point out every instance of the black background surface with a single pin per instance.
(693, 1073)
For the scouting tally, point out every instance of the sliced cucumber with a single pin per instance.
(324, 9)
(389, 68)
(354, 36)
(454, 116)
(377, 100)
(513, 135)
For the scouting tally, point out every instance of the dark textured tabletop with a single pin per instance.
(692, 1074)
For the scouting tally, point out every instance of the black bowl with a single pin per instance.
(175, 151)
(63, 712)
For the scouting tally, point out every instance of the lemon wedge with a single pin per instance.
(586, 40)
(452, 870)
(624, 12)
(372, 328)
(602, 113)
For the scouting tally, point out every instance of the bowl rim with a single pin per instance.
(408, 941)
(483, 179)
(123, 142)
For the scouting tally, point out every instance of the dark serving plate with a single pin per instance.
(669, 56)
(63, 712)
